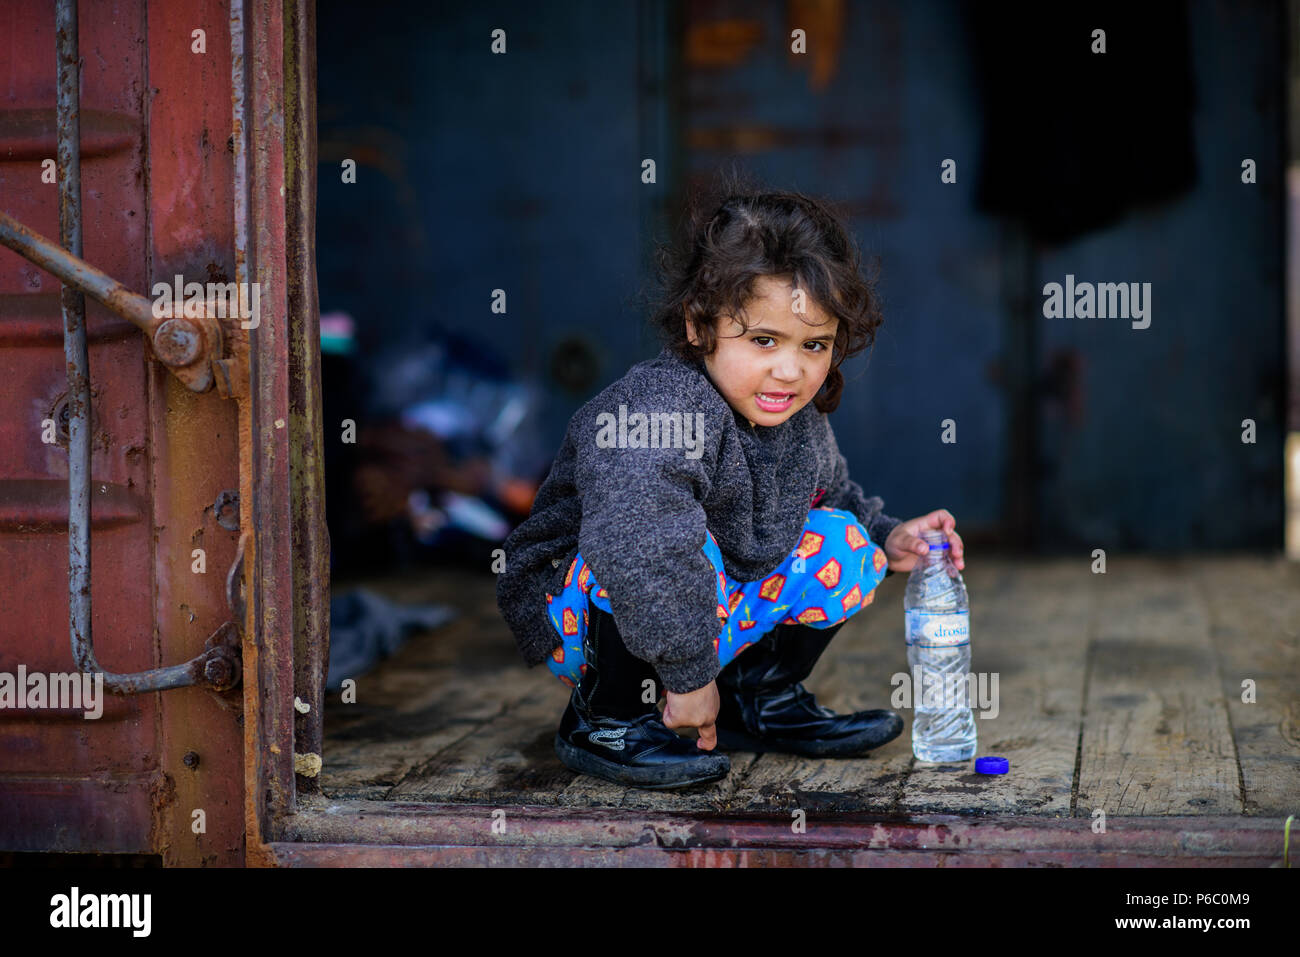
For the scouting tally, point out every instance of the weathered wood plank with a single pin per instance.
(717, 796)
(456, 717)
(1029, 629)
(438, 688)
(1255, 628)
(783, 783)
(507, 758)
(1036, 726)
(1156, 737)
(373, 746)
(853, 674)
(589, 792)
(373, 768)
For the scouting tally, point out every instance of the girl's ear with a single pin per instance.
(690, 327)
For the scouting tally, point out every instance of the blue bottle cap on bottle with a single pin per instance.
(992, 765)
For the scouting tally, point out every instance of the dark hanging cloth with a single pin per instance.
(1072, 140)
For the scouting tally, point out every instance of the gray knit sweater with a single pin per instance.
(638, 514)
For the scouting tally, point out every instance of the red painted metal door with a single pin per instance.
(174, 183)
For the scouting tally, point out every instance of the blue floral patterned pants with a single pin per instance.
(832, 573)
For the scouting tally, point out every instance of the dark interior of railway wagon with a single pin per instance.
(484, 241)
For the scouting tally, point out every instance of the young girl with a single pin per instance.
(698, 529)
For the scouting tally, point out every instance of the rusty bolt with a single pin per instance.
(177, 342)
(191, 759)
(217, 671)
(226, 508)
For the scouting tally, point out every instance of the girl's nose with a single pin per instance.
(786, 371)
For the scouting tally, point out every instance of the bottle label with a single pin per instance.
(930, 629)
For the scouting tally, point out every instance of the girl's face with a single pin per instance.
(774, 369)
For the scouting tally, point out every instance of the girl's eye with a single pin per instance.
(821, 346)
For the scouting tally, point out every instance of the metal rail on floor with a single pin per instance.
(333, 833)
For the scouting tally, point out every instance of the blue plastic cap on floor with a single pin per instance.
(992, 765)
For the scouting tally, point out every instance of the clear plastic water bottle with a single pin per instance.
(938, 656)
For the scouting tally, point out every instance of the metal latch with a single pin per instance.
(187, 345)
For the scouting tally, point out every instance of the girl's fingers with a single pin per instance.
(958, 551)
(941, 519)
(708, 739)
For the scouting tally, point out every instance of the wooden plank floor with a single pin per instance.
(1121, 693)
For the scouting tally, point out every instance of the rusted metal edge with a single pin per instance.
(257, 85)
(255, 772)
(396, 825)
(283, 854)
(311, 554)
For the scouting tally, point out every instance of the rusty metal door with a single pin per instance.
(196, 160)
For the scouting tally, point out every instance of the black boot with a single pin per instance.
(765, 708)
(608, 731)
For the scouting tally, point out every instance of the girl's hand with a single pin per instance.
(904, 546)
(695, 709)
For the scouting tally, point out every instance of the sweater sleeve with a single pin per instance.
(642, 533)
(846, 494)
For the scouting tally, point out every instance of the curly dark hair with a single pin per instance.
(735, 232)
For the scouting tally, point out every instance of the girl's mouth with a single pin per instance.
(774, 401)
